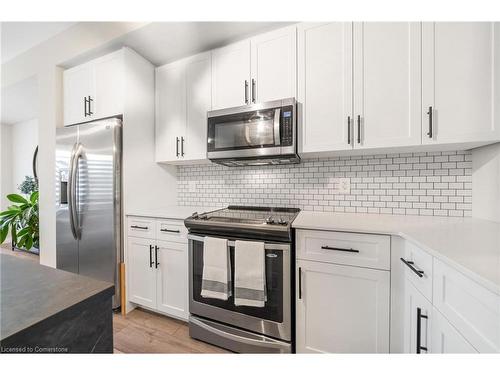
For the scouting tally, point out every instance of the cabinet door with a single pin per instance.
(170, 111)
(78, 84)
(140, 273)
(110, 84)
(461, 62)
(171, 284)
(274, 65)
(231, 75)
(445, 338)
(324, 86)
(415, 302)
(198, 102)
(387, 84)
(341, 309)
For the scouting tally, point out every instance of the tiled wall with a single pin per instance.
(426, 183)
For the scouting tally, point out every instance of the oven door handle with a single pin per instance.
(264, 343)
(277, 136)
(267, 245)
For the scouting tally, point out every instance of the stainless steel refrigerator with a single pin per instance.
(88, 200)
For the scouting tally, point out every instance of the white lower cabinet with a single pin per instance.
(157, 270)
(141, 276)
(171, 280)
(417, 321)
(445, 338)
(342, 309)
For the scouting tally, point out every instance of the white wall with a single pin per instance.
(486, 182)
(24, 140)
(5, 164)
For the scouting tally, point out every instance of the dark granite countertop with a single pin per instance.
(31, 293)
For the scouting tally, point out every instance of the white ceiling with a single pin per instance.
(162, 42)
(18, 37)
(19, 102)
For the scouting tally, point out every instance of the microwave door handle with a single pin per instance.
(277, 137)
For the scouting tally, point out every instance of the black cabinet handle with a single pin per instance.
(182, 146)
(156, 257)
(177, 146)
(170, 230)
(253, 90)
(151, 256)
(410, 264)
(349, 130)
(85, 106)
(420, 316)
(359, 129)
(339, 249)
(300, 282)
(246, 91)
(138, 227)
(429, 133)
(90, 110)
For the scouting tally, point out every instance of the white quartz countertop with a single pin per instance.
(472, 246)
(168, 212)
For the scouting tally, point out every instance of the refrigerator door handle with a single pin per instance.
(76, 154)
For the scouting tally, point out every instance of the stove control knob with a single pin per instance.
(203, 217)
(270, 220)
(281, 221)
(195, 215)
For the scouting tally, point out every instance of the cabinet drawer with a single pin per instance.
(417, 266)
(354, 249)
(472, 309)
(141, 227)
(171, 230)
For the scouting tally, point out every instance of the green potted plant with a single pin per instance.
(21, 218)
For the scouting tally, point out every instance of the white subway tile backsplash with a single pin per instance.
(432, 183)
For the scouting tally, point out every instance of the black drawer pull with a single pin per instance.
(410, 264)
(151, 256)
(138, 227)
(339, 249)
(300, 282)
(170, 230)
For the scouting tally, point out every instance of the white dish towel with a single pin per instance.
(216, 280)
(249, 274)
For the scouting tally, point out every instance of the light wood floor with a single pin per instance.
(141, 331)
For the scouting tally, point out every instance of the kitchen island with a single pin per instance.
(46, 310)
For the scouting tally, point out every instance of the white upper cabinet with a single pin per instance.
(387, 84)
(183, 98)
(79, 85)
(94, 90)
(198, 103)
(170, 111)
(461, 66)
(274, 65)
(324, 86)
(231, 75)
(109, 86)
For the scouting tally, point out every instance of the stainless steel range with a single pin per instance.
(245, 329)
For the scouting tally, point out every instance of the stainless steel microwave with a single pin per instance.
(257, 134)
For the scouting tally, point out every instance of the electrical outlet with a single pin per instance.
(341, 185)
(192, 186)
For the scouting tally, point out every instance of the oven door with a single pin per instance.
(273, 320)
(252, 133)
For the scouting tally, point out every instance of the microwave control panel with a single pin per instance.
(287, 122)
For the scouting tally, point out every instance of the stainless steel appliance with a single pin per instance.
(88, 200)
(244, 329)
(257, 134)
